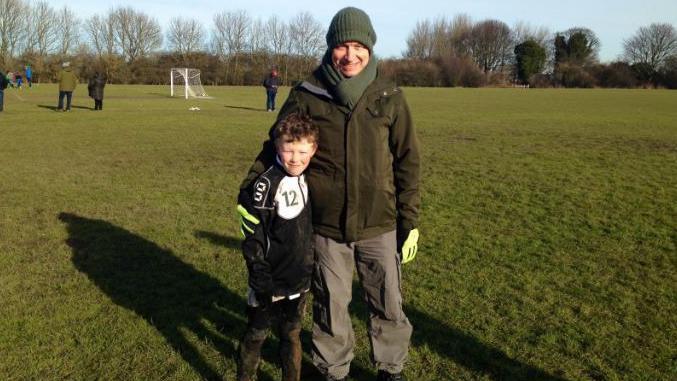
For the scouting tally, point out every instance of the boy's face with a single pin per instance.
(295, 156)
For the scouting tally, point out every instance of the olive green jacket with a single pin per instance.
(67, 80)
(364, 177)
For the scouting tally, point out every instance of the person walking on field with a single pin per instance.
(4, 81)
(29, 75)
(364, 182)
(271, 83)
(95, 87)
(68, 81)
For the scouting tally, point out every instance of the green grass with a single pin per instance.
(548, 236)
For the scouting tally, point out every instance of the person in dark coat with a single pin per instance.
(4, 81)
(95, 87)
(271, 83)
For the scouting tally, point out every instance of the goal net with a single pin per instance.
(186, 81)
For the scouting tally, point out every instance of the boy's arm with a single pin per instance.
(255, 243)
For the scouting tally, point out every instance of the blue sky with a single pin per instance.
(612, 21)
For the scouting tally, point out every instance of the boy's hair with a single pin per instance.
(295, 127)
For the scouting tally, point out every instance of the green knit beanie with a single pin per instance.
(351, 24)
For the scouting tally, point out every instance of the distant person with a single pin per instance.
(10, 79)
(95, 87)
(68, 81)
(4, 82)
(278, 248)
(19, 80)
(29, 75)
(271, 83)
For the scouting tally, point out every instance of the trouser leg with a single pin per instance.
(69, 96)
(272, 101)
(2, 99)
(289, 332)
(249, 351)
(60, 104)
(333, 336)
(378, 267)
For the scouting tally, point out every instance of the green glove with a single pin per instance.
(410, 246)
(247, 221)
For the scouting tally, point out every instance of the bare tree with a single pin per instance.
(276, 34)
(42, 34)
(651, 45)
(136, 33)
(420, 41)
(13, 16)
(307, 35)
(185, 36)
(230, 36)
(523, 31)
(460, 31)
(491, 44)
(68, 31)
(101, 32)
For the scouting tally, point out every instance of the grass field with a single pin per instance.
(548, 243)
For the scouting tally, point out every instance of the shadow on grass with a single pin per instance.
(169, 294)
(219, 240)
(450, 343)
(54, 108)
(245, 108)
(469, 352)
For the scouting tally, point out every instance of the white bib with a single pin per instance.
(291, 197)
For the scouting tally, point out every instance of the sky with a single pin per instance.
(612, 20)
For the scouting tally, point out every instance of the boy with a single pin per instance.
(278, 248)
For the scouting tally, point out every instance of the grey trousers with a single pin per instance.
(378, 268)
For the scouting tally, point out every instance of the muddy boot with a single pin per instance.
(249, 354)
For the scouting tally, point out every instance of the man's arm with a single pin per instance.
(406, 169)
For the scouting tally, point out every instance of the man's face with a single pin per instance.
(295, 156)
(350, 58)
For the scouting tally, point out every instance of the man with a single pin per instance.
(68, 81)
(364, 186)
(271, 83)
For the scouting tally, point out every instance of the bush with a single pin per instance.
(668, 73)
(572, 75)
(616, 75)
(460, 71)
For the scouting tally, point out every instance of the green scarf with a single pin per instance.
(348, 90)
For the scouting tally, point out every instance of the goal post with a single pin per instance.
(186, 82)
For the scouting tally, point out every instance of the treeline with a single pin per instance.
(460, 52)
(131, 47)
(234, 48)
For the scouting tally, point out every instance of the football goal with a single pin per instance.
(186, 81)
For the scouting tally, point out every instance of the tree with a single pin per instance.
(136, 33)
(185, 36)
(68, 31)
(229, 38)
(491, 44)
(13, 14)
(530, 59)
(577, 46)
(277, 37)
(651, 46)
(307, 36)
(42, 34)
(419, 42)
